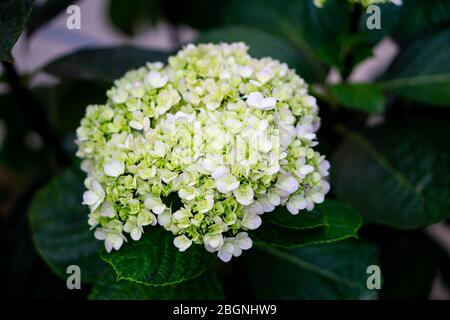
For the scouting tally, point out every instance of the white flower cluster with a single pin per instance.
(231, 136)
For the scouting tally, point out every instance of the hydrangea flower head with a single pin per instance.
(231, 137)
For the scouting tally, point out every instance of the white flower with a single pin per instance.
(220, 172)
(244, 194)
(132, 227)
(120, 96)
(264, 75)
(114, 168)
(160, 148)
(227, 183)
(107, 210)
(255, 208)
(211, 163)
(155, 204)
(157, 80)
(303, 168)
(182, 243)
(182, 116)
(287, 184)
(257, 100)
(245, 71)
(113, 240)
(242, 242)
(266, 204)
(226, 251)
(112, 235)
(251, 220)
(305, 132)
(324, 166)
(213, 242)
(95, 196)
(164, 218)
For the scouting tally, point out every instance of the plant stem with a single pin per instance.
(353, 29)
(33, 113)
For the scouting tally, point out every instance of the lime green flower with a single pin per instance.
(231, 136)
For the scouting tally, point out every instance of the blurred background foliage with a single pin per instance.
(388, 140)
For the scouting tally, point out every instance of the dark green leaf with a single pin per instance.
(20, 143)
(65, 103)
(359, 96)
(396, 174)
(129, 15)
(13, 16)
(389, 14)
(45, 12)
(125, 15)
(327, 271)
(408, 263)
(322, 32)
(59, 227)
(343, 222)
(199, 14)
(418, 15)
(24, 274)
(304, 220)
(421, 72)
(154, 260)
(262, 44)
(104, 64)
(206, 286)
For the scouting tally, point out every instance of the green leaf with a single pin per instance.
(45, 12)
(396, 174)
(403, 276)
(417, 16)
(304, 220)
(65, 103)
(59, 227)
(154, 260)
(317, 32)
(327, 271)
(126, 15)
(206, 286)
(262, 44)
(104, 64)
(343, 222)
(359, 96)
(24, 273)
(389, 14)
(421, 72)
(13, 16)
(20, 144)
(199, 14)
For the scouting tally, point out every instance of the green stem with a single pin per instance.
(349, 59)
